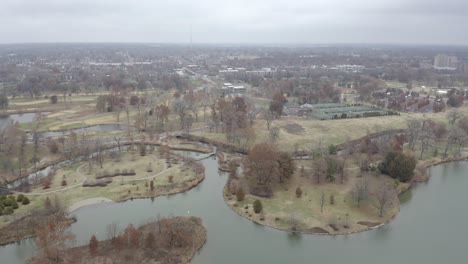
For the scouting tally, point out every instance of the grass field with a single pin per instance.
(121, 188)
(285, 209)
(326, 132)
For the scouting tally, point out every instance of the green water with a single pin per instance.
(429, 229)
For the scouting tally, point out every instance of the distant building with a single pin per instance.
(445, 62)
(228, 88)
(350, 68)
(261, 72)
(238, 89)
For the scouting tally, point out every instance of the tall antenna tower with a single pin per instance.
(191, 39)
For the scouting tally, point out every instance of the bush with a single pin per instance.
(14, 205)
(132, 172)
(20, 198)
(240, 194)
(171, 178)
(116, 172)
(398, 165)
(152, 185)
(6, 202)
(332, 149)
(332, 199)
(257, 205)
(53, 146)
(8, 211)
(25, 201)
(298, 192)
(64, 183)
(53, 99)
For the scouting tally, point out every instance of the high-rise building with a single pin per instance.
(445, 62)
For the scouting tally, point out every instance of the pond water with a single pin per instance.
(20, 118)
(429, 229)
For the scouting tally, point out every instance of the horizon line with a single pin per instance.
(298, 44)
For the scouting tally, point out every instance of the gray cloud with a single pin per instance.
(235, 21)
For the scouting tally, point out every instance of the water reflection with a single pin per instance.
(233, 239)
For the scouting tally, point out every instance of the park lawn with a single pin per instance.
(36, 202)
(122, 187)
(326, 132)
(286, 206)
(395, 84)
(69, 174)
(130, 161)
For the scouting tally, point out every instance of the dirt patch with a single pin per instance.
(87, 202)
(369, 224)
(294, 128)
(317, 230)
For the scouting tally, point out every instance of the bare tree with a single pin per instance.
(414, 127)
(269, 117)
(52, 239)
(112, 231)
(360, 190)
(453, 136)
(322, 201)
(274, 134)
(341, 169)
(22, 153)
(383, 198)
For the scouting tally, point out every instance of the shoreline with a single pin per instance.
(307, 232)
(103, 200)
(369, 228)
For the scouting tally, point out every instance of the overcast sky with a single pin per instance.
(235, 21)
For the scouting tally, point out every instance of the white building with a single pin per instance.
(444, 62)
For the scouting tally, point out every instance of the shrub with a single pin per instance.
(171, 178)
(64, 183)
(116, 172)
(142, 149)
(132, 172)
(152, 185)
(20, 198)
(332, 149)
(124, 172)
(6, 202)
(14, 205)
(53, 146)
(25, 200)
(240, 194)
(46, 183)
(298, 192)
(8, 211)
(332, 199)
(257, 205)
(53, 99)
